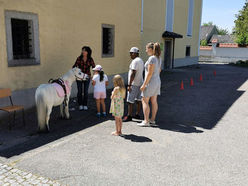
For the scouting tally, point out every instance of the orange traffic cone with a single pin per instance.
(201, 77)
(182, 86)
(214, 72)
(191, 82)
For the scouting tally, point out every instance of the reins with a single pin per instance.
(82, 79)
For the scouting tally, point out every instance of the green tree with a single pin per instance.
(210, 23)
(241, 25)
(204, 42)
(222, 31)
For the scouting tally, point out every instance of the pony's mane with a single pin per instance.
(69, 76)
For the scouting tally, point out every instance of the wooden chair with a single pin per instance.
(11, 108)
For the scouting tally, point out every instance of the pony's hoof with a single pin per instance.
(68, 118)
(62, 117)
(43, 131)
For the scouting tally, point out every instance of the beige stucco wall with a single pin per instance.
(154, 26)
(64, 27)
(180, 26)
(154, 21)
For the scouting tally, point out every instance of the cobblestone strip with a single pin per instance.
(10, 176)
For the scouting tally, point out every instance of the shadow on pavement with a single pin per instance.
(180, 128)
(20, 140)
(135, 138)
(202, 105)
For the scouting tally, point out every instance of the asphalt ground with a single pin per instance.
(201, 138)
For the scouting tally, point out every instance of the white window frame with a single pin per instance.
(33, 19)
(190, 18)
(169, 17)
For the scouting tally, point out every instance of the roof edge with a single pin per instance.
(168, 34)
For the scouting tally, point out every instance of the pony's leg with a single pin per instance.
(49, 110)
(62, 114)
(67, 114)
(41, 112)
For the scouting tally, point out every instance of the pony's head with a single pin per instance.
(79, 75)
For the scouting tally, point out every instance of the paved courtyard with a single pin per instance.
(201, 139)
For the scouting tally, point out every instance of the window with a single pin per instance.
(22, 36)
(22, 40)
(190, 17)
(187, 51)
(107, 40)
(169, 15)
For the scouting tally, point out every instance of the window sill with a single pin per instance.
(22, 62)
(107, 55)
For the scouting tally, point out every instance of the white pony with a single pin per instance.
(46, 97)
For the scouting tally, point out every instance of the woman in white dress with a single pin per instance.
(152, 83)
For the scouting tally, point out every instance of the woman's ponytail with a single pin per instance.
(157, 50)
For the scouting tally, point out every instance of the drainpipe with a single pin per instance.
(200, 30)
(142, 16)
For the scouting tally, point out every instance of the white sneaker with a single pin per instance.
(81, 107)
(85, 108)
(144, 124)
(152, 123)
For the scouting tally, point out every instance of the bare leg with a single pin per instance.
(138, 108)
(130, 109)
(116, 126)
(98, 105)
(154, 107)
(146, 108)
(120, 126)
(103, 105)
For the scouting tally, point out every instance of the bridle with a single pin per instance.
(79, 77)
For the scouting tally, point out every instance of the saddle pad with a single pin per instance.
(60, 90)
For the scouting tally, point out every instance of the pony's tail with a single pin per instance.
(41, 111)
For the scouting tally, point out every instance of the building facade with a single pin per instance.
(41, 39)
(181, 20)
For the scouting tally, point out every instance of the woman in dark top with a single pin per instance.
(84, 62)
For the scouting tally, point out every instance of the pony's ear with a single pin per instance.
(74, 69)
